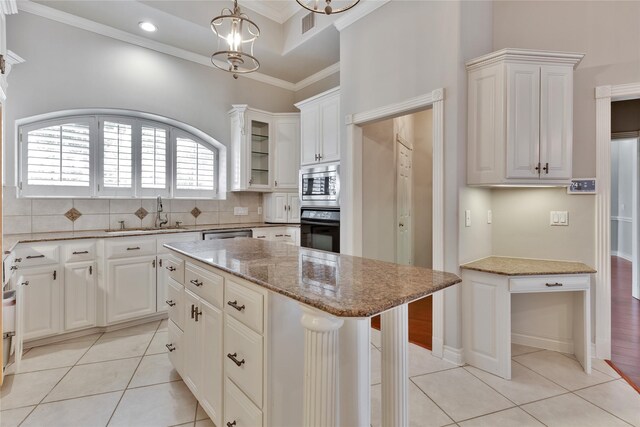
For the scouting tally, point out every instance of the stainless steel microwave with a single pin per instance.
(320, 186)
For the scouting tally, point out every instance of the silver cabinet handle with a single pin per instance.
(170, 347)
(236, 361)
(195, 282)
(170, 302)
(34, 256)
(235, 305)
(80, 252)
(552, 285)
(134, 248)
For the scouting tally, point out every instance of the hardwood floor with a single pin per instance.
(625, 322)
(420, 322)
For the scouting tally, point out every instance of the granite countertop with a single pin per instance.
(341, 285)
(9, 241)
(526, 267)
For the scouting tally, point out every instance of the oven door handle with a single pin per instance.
(328, 224)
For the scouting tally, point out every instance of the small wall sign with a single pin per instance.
(582, 186)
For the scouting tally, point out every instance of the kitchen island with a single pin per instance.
(293, 324)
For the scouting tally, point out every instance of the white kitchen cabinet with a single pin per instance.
(282, 208)
(131, 288)
(202, 356)
(320, 128)
(264, 149)
(167, 267)
(80, 295)
(40, 305)
(520, 118)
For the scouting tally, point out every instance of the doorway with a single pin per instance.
(397, 170)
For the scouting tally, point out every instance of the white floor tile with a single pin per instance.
(157, 405)
(525, 385)
(616, 397)
(30, 388)
(94, 378)
(604, 367)
(142, 329)
(158, 343)
(421, 361)
(13, 417)
(510, 418)
(422, 411)
(201, 414)
(154, 369)
(376, 366)
(519, 349)
(86, 412)
(560, 369)
(569, 410)
(59, 355)
(460, 394)
(376, 338)
(110, 347)
(205, 423)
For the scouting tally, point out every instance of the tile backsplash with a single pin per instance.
(22, 215)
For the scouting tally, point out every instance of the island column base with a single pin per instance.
(394, 329)
(321, 359)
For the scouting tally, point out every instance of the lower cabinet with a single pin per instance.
(80, 295)
(39, 291)
(238, 409)
(175, 346)
(131, 288)
(202, 363)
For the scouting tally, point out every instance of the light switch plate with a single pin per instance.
(467, 218)
(559, 218)
(239, 211)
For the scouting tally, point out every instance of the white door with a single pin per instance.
(279, 207)
(523, 120)
(131, 288)
(330, 130)
(309, 134)
(404, 253)
(41, 302)
(293, 201)
(192, 357)
(556, 121)
(80, 295)
(210, 328)
(287, 152)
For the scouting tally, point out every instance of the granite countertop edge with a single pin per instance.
(391, 303)
(528, 266)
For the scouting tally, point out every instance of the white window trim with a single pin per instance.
(140, 118)
(186, 193)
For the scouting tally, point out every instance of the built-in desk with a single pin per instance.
(486, 297)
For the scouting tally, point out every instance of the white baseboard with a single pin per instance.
(453, 355)
(622, 255)
(546, 343)
(437, 347)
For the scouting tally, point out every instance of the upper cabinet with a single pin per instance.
(264, 151)
(320, 128)
(520, 118)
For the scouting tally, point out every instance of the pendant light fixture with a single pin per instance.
(236, 35)
(313, 6)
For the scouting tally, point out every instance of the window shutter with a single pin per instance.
(117, 155)
(59, 155)
(154, 157)
(195, 166)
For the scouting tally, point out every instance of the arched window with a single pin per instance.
(117, 153)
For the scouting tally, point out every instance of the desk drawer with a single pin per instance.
(556, 283)
(130, 248)
(174, 267)
(29, 256)
(243, 359)
(82, 251)
(244, 304)
(175, 298)
(205, 284)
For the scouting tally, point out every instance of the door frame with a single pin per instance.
(604, 96)
(351, 188)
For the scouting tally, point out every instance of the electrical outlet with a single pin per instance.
(559, 218)
(489, 216)
(467, 218)
(238, 211)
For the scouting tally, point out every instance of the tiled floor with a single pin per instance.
(124, 378)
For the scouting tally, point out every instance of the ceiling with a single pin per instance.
(185, 24)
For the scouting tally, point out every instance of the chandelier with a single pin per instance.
(312, 5)
(236, 35)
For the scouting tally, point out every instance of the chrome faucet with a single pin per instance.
(159, 222)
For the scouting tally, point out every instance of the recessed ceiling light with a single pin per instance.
(147, 26)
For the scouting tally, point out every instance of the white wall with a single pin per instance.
(68, 68)
(624, 163)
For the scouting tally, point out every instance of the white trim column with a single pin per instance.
(321, 359)
(394, 327)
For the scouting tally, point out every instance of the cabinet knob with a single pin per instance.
(236, 361)
(170, 347)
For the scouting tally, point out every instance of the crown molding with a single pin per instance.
(330, 70)
(278, 16)
(526, 55)
(8, 7)
(360, 11)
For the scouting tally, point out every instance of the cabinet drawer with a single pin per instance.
(174, 267)
(278, 234)
(549, 283)
(244, 304)
(205, 284)
(83, 251)
(175, 298)
(174, 345)
(130, 248)
(29, 256)
(238, 410)
(243, 361)
(261, 233)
